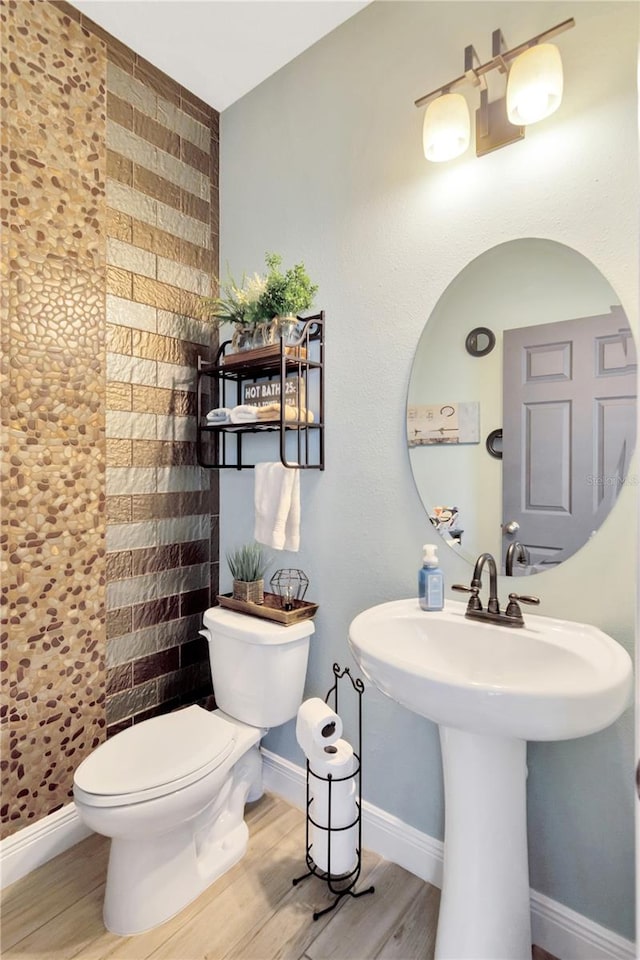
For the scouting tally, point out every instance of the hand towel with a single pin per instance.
(219, 415)
(272, 412)
(244, 413)
(277, 505)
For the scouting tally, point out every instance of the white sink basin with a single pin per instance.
(549, 680)
(490, 688)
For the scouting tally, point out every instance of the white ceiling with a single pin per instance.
(219, 49)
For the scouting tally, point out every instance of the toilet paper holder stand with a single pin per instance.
(342, 885)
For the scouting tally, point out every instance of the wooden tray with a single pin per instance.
(271, 609)
(261, 354)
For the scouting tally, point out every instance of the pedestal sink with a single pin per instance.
(490, 689)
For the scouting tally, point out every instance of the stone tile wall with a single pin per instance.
(112, 543)
(54, 162)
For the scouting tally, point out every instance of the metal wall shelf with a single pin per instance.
(301, 446)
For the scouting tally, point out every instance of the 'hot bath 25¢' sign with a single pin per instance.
(260, 393)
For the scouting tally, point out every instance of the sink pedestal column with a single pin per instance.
(484, 910)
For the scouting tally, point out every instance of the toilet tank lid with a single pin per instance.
(157, 751)
(253, 630)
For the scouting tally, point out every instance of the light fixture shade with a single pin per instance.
(534, 88)
(447, 128)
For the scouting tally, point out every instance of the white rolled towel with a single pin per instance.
(219, 415)
(317, 727)
(244, 413)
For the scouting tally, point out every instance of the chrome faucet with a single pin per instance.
(517, 552)
(512, 616)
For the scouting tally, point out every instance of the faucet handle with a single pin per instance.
(474, 599)
(523, 598)
(513, 611)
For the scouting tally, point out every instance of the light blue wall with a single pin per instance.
(323, 163)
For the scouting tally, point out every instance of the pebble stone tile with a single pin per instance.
(53, 518)
(104, 504)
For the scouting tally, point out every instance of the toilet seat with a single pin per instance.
(155, 758)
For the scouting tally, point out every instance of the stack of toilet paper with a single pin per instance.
(319, 732)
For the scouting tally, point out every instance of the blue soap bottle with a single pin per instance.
(430, 580)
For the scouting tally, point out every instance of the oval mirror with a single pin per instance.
(561, 386)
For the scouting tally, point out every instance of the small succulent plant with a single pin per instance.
(248, 563)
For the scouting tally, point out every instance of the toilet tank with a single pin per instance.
(258, 667)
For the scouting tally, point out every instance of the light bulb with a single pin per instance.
(288, 597)
(534, 88)
(447, 128)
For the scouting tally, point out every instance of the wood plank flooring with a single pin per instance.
(251, 913)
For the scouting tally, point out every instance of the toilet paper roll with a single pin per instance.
(339, 761)
(343, 844)
(317, 726)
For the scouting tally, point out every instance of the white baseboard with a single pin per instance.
(556, 928)
(40, 841)
(572, 936)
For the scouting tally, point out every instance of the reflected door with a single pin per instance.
(569, 392)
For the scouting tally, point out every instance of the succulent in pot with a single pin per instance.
(248, 565)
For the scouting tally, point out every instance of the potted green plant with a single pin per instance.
(285, 295)
(238, 304)
(248, 565)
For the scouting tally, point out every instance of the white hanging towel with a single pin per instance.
(277, 503)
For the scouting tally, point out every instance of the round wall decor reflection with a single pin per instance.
(480, 341)
(494, 444)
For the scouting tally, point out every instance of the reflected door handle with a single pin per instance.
(511, 527)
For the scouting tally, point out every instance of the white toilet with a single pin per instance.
(171, 791)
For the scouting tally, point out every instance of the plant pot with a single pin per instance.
(287, 326)
(266, 333)
(242, 338)
(251, 591)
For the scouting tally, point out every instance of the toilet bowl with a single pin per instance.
(170, 792)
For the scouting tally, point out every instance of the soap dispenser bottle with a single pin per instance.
(430, 580)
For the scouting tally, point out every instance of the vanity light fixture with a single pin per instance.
(534, 90)
(447, 128)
